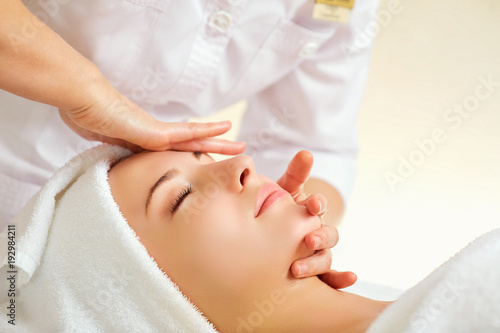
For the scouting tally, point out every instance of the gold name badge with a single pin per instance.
(332, 13)
(342, 3)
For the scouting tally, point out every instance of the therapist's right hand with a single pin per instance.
(112, 118)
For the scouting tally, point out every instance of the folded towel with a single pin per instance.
(462, 295)
(79, 267)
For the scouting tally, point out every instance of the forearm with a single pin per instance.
(37, 64)
(335, 201)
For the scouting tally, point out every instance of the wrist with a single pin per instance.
(90, 88)
(43, 67)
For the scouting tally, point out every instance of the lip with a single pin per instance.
(267, 195)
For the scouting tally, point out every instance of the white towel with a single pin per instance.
(80, 267)
(462, 295)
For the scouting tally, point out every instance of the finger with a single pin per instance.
(179, 132)
(325, 237)
(316, 204)
(338, 280)
(211, 145)
(297, 173)
(318, 263)
(166, 135)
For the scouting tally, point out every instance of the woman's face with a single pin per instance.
(211, 225)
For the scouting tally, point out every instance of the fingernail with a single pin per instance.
(302, 269)
(320, 208)
(316, 242)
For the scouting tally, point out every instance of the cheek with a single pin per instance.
(219, 240)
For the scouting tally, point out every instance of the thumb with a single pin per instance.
(297, 173)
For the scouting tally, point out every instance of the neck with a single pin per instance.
(307, 305)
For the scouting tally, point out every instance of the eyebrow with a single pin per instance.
(170, 174)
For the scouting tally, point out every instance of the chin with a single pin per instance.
(293, 224)
(306, 224)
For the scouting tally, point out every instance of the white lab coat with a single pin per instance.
(303, 80)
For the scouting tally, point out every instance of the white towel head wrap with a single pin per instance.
(81, 268)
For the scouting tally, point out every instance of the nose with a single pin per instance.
(235, 173)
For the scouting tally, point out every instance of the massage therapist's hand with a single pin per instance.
(110, 117)
(46, 69)
(320, 240)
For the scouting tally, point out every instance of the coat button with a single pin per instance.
(220, 20)
(308, 49)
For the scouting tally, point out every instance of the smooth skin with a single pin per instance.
(221, 254)
(37, 64)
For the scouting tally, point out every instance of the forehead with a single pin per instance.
(148, 162)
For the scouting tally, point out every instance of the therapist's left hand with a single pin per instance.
(320, 240)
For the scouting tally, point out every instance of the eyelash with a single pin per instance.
(180, 197)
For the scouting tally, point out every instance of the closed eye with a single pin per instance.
(180, 198)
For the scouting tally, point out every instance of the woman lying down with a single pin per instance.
(175, 242)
